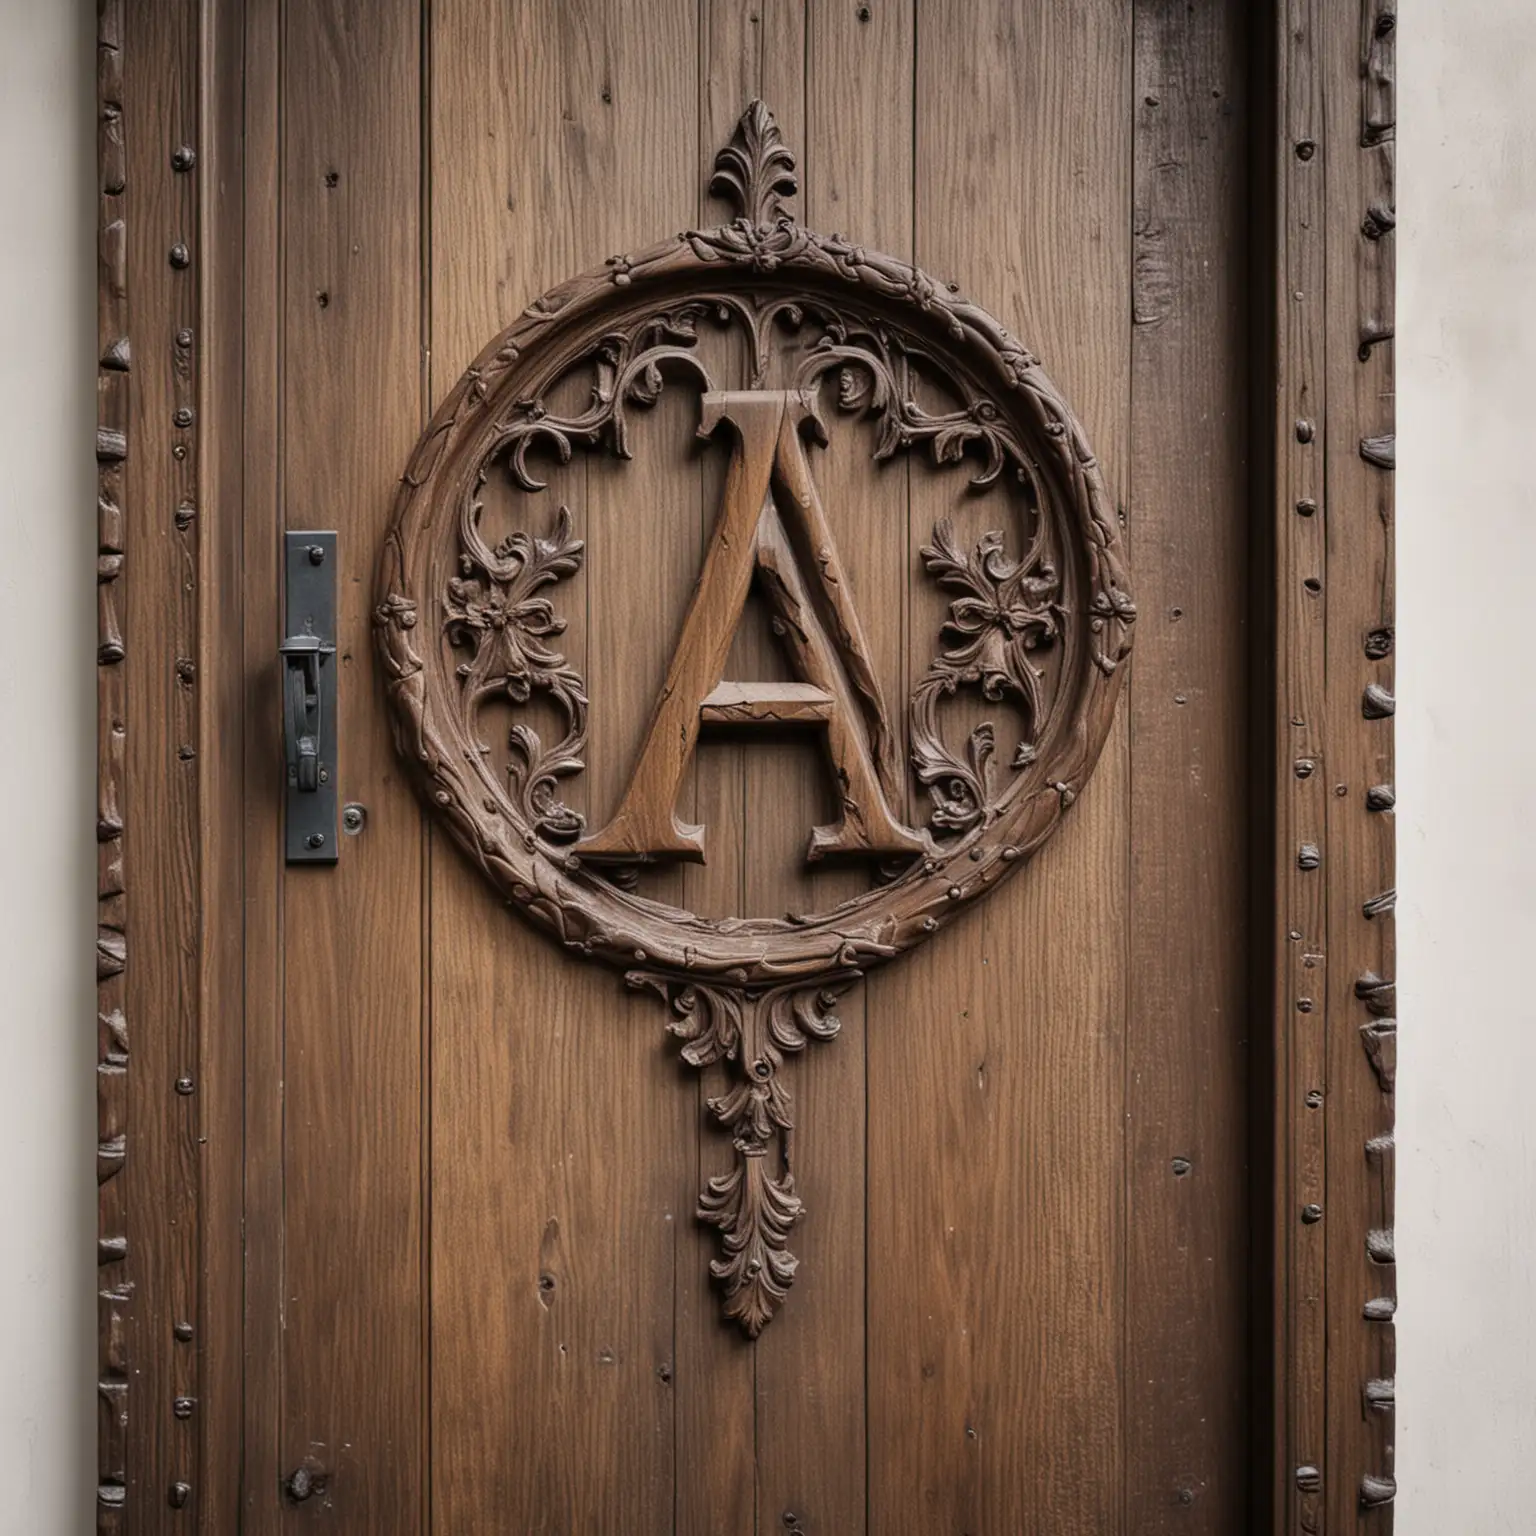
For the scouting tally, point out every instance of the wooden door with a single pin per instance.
(799, 1033)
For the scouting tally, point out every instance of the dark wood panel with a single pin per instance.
(354, 1322)
(161, 801)
(260, 633)
(474, 1289)
(559, 1122)
(221, 674)
(1299, 917)
(996, 1067)
(1189, 1190)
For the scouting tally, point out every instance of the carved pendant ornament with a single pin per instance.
(1039, 622)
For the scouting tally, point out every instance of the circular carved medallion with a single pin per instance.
(1039, 619)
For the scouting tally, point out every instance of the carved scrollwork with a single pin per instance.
(754, 1205)
(494, 613)
(1039, 620)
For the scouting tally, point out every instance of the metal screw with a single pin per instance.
(183, 158)
(316, 554)
(352, 819)
(184, 338)
(180, 256)
(184, 1086)
(183, 1407)
(1311, 1213)
(183, 1332)
(183, 416)
(178, 1495)
(315, 840)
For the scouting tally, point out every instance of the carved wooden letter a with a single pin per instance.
(772, 523)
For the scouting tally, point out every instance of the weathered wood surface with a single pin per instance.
(472, 1292)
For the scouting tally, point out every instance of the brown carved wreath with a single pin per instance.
(460, 622)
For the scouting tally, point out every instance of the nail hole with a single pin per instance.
(323, 299)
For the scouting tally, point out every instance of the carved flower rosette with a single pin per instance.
(1039, 623)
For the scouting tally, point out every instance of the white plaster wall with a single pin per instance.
(1466, 743)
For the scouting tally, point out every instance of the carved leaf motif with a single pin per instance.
(754, 1212)
(753, 1208)
(706, 1019)
(493, 613)
(1005, 612)
(756, 169)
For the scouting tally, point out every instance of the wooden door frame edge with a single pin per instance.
(1322, 650)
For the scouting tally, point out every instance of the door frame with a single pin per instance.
(186, 411)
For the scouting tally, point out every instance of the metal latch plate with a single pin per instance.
(309, 603)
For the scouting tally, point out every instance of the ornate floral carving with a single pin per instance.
(1044, 630)
(495, 613)
(1007, 610)
(756, 168)
(753, 1206)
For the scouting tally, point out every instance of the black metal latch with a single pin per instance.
(309, 696)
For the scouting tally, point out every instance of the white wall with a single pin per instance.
(1466, 741)
(1466, 484)
(47, 766)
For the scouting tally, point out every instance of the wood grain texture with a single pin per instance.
(1006, 1050)
(353, 1368)
(1189, 1193)
(1301, 733)
(160, 810)
(471, 1292)
(555, 1225)
(217, 510)
(1359, 149)
(260, 632)
(811, 1388)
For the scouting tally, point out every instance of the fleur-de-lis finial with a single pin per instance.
(757, 168)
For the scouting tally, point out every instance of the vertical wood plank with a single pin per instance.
(218, 510)
(1189, 1199)
(743, 52)
(1359, 151)
(716, 1369)
(559, 1122)
(996, 1054)
(353, 1373)
(161, 806)
(810, 1368)
(261, 538)
(1302, 747)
